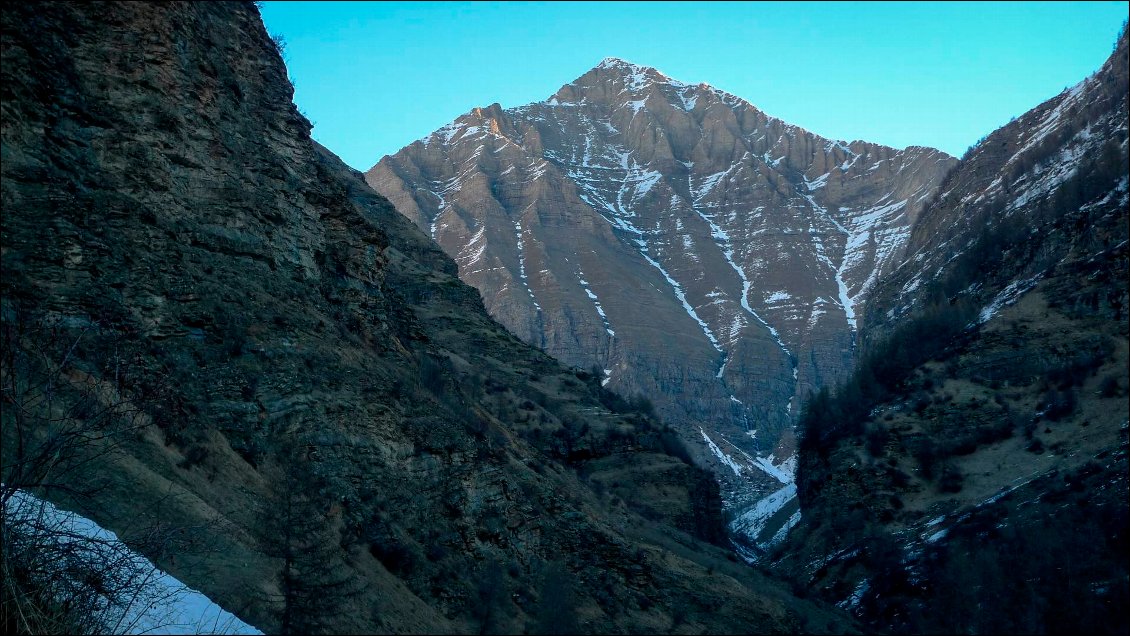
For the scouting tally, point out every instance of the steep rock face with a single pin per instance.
(981, 449)
(299, 355)
(677, 239)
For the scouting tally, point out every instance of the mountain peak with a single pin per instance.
(638, 76)
(620, 63)
(611, 62)
(612, 76)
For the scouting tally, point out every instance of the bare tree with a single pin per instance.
(62, 411)
(71, 393)
(63, 574)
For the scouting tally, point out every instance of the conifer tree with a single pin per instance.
(299, 529)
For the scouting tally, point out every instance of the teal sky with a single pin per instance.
(373, 77)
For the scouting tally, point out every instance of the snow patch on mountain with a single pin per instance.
(785, 472)
(752, 522)
(596, 303)
(1007, 296)
(522, 265)
(1050, 121)
(473, 250)
(778, 297)
(722, 457)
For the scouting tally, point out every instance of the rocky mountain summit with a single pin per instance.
(678, 241)
(218, 336)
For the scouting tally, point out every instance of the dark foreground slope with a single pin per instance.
(285, 380)
(972, 476)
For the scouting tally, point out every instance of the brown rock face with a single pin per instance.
(164, 206)
(685, 244)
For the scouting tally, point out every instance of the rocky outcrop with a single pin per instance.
(297, 355)
(673, 237)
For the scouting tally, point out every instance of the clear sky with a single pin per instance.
(373, 77)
